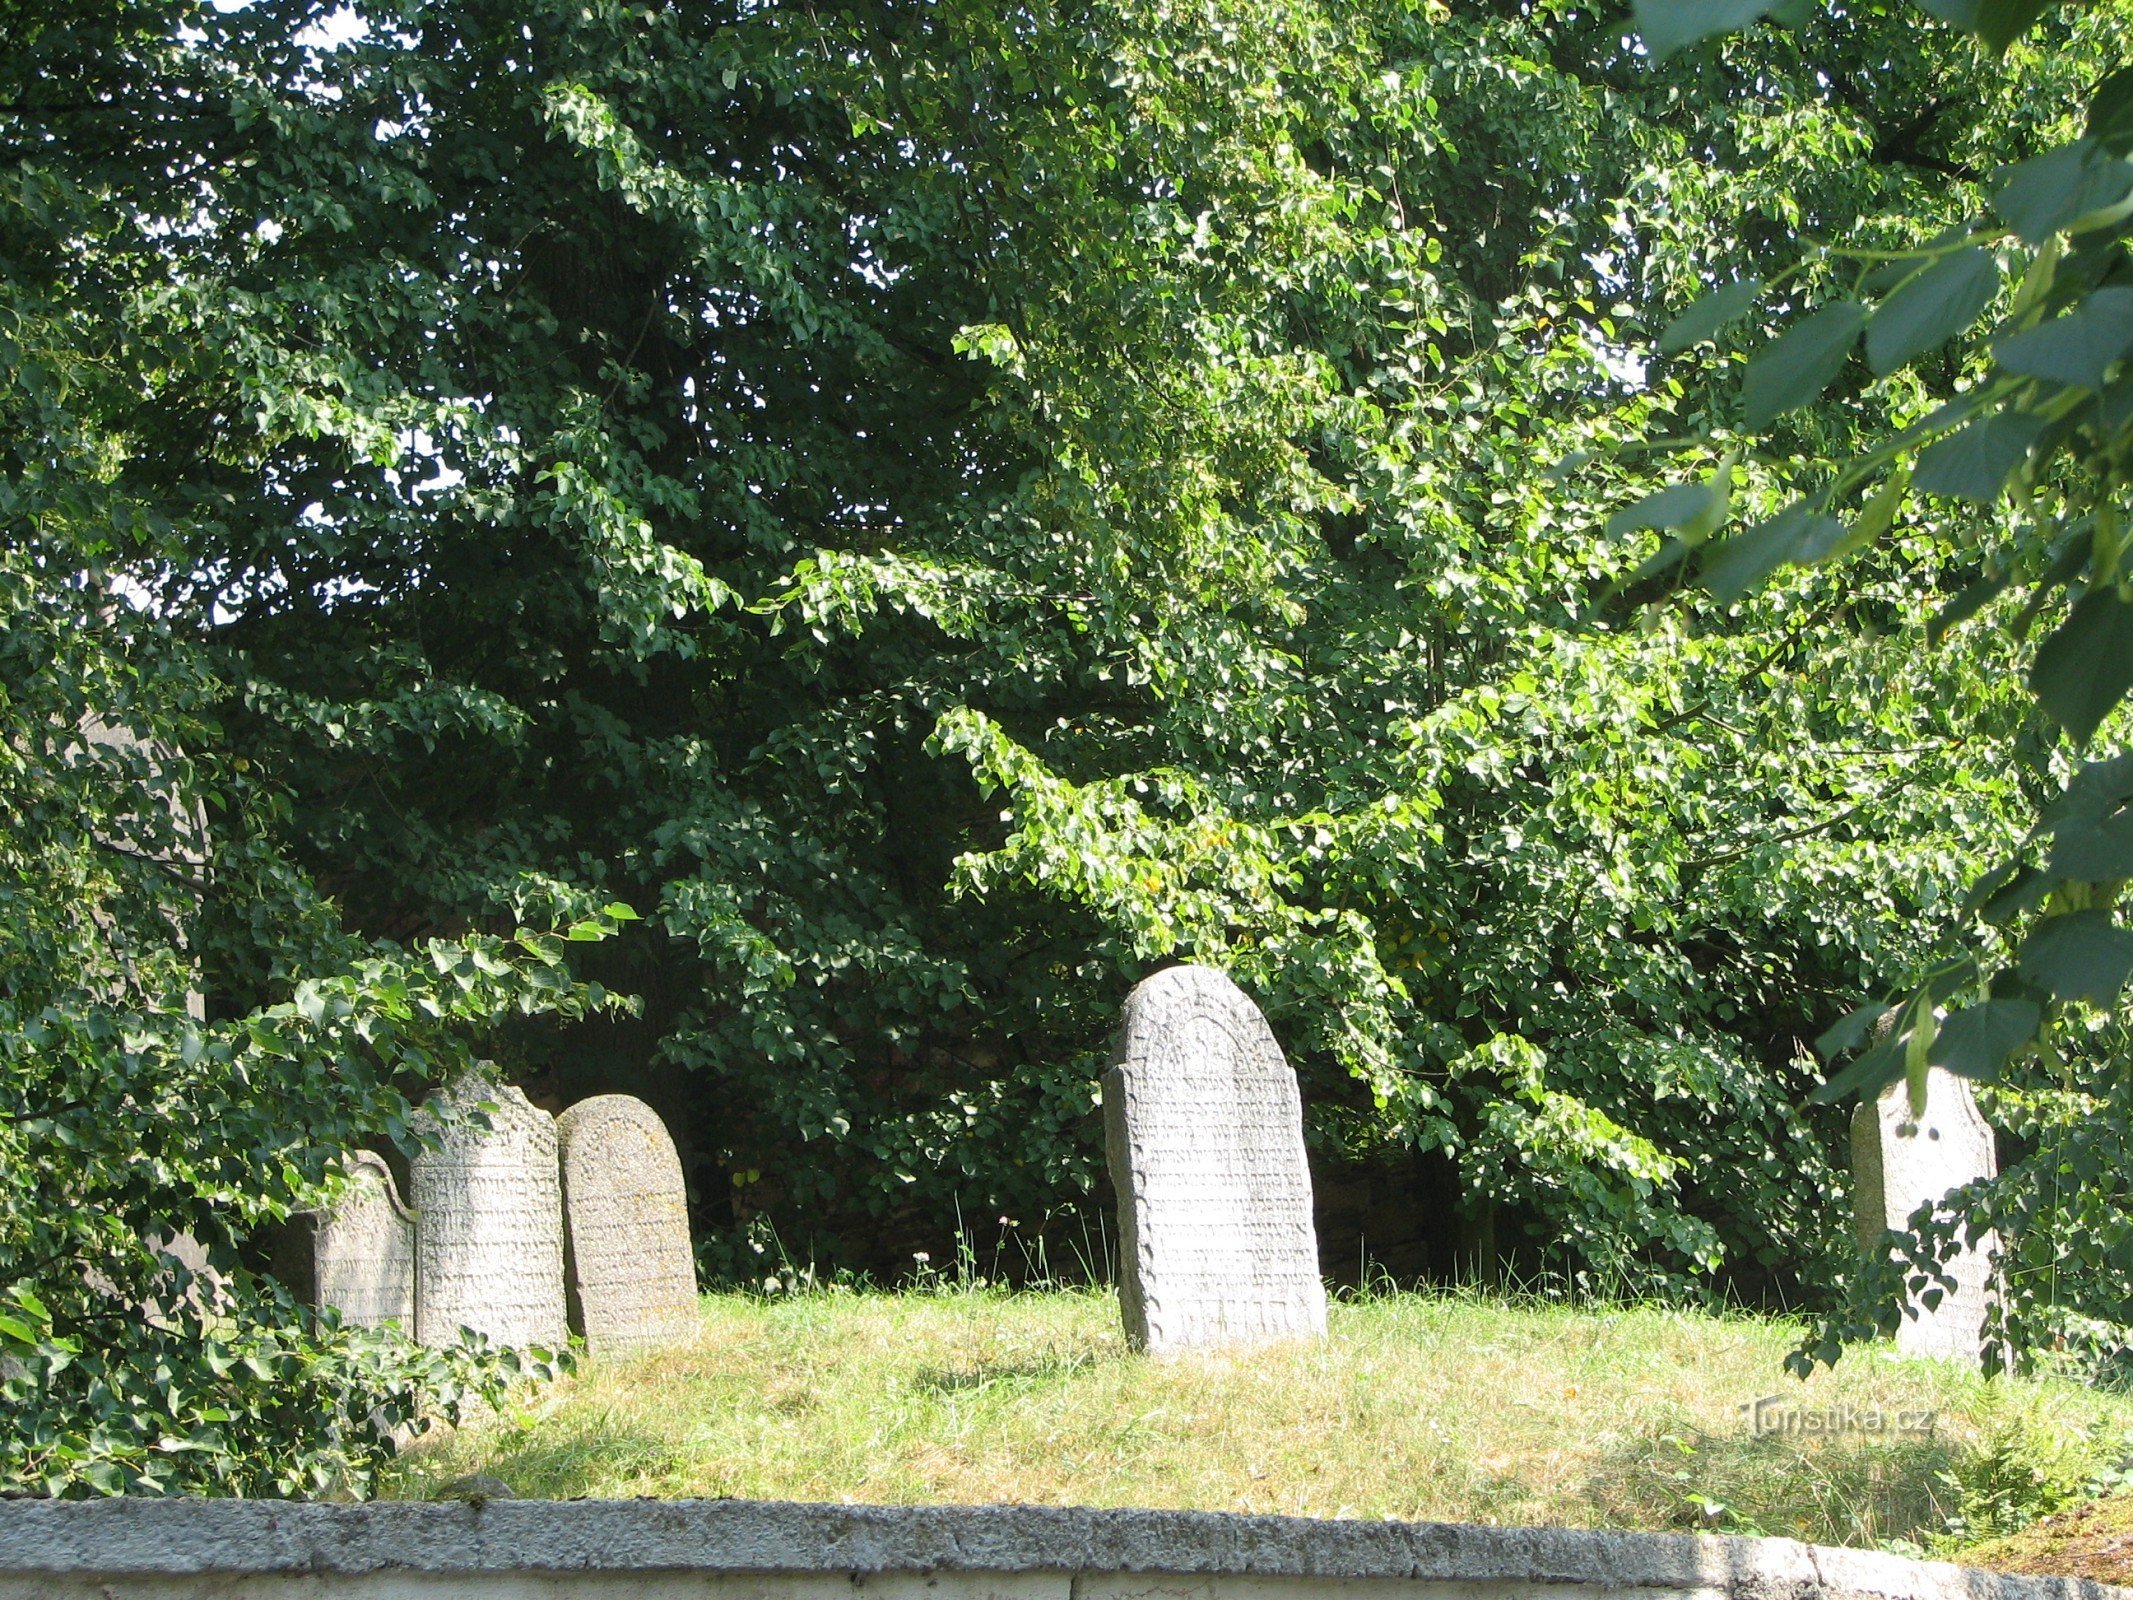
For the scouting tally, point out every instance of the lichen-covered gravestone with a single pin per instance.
(1898, 1164)
(488, 1220)
(359, 1257)
(630, 1269)
(1204, 1131)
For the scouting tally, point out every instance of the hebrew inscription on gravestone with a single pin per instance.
(631, 1271)
(488, 1219)
(363, 1250)
(1204, 1131)
(1898, 1164)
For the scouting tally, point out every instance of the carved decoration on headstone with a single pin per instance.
(1204, 1131)
(1898, 1164)
(630, 1268)
(488, 1219)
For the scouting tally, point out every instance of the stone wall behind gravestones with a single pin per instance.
(630, 1268)
(1897, 1166)
(488, 1220)
(1204, 1132)
(363, 1250)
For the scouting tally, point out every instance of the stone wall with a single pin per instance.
(752, 1550)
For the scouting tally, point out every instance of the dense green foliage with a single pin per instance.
(786, 500)
(940, 509)
(139, 1145)
(1997, 328)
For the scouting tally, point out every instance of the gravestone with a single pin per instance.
(1898, 1164)
(1204, 1132)
(488, 1219)
(629, 1267)
(361, 1254)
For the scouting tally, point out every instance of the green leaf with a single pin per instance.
(1678, 505)
(2085, 668)
(1967, 604)
(1796, 368)
(2082, 955)
(1878, 514)
(2077, 348)
(2020, 895)
(2111, 110)
(2047, 192)
(2000, 22)
(17, 1330)
(1796, 535)
(1976, 1041)
(1703, 319)
(2097, 790)
(1973, 463)
(1670, 25)
(1869, 1074)
(1956, 13)
(1931, 309)
(2094, 849)
(1850, 1030)
(2069, 559)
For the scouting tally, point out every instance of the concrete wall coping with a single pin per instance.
(265, 1538)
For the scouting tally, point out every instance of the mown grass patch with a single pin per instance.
(1427, 1407)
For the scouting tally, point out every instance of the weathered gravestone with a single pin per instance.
(1204, 1131)
(488, 1219)
(1898, 1164)
(630, 1269)
(359, 1257)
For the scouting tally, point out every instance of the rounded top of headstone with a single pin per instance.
(367, 1169)
(1162, 1001)
(1189, 984)
(605, 1110)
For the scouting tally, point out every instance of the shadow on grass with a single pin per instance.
(561, 1460)
(1841, 1488)
(1015, 1377)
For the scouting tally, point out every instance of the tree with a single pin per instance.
(1992, 340)
(139, 1142)
(689, 456)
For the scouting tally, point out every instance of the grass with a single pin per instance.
(1429, 1407)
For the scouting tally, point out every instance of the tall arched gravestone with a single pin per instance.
(488, 1220)
(1204, 1131)
(630, 1269)
(1898, 1164)
(361, 1256)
